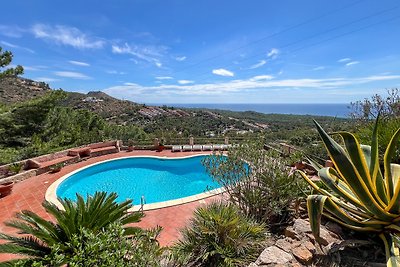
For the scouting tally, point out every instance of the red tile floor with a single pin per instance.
(29, 194)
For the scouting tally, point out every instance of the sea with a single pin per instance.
(334, 110)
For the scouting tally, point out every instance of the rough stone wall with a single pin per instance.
(298, 246)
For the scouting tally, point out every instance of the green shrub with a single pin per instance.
(15, 168)
(219, 235)
(257, 181)
(387, 127)
(94, 215)
(109, 247)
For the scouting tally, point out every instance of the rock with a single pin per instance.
(289, 232)
(287, 244)
(252, 265)
(326, 237)
(334, 228)
(302, 254)
(273, 255)
(311, 238)
(310, 246)
(301, 227)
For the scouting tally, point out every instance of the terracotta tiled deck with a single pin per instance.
(29, 194)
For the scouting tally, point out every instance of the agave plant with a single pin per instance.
(219, 235)
(40, 235)
(360, 196)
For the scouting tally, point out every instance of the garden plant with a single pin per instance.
(360, 193)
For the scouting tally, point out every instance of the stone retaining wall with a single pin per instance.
(298, 246)
(25, 174)
(19, 176)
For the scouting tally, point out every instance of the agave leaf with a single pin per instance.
(315, 205)
(314, 164)
(347, 170)
(374, 169)
(387, 160)
(330, 176)
(392, 252)
(346, 215)
(375, 173)
(394, 205)
(353, 227)
(314, 185)
(353, 149)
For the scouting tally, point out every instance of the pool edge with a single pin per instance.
(51, 195)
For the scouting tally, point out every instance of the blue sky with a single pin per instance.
(184, 51)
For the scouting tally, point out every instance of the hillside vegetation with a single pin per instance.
(35, 119)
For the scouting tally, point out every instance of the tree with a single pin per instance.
(40, 237)
(5, 60)
(386, 106)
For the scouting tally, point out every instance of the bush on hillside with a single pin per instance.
(257, 181)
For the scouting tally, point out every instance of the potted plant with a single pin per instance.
(6, 188)
(57, 167)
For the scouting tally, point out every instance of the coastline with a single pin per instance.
(340, 110)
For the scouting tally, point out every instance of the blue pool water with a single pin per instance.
(154, 178)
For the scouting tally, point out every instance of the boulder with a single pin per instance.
(302, 254)
(290, 233)
(273, 255)
(287, 244)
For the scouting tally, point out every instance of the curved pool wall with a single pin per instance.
(162, 181)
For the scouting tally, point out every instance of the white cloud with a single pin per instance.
(66, 35)
(79, 63)
(73, 75)
(45, 79)
(182, 58)
(262, 77)
(150, 54)
(273, 53)
(259, 64)
(223, 72)
(11, 31)
(16, 46)
(319, 68)
(131, 84)
(185, 82)
(352, 63)
(136, 90)
(164, 78)
(344, 60)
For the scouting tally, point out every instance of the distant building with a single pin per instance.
(92, 99)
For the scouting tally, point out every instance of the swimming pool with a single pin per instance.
(161, 181)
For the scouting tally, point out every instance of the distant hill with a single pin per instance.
(15, 89)
(162, 120)
(106, 106)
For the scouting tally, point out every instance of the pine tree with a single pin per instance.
(5, 60)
